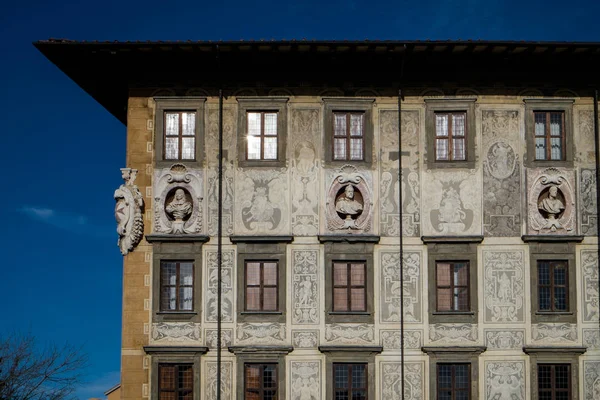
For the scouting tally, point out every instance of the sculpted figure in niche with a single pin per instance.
(347, 205)
(551, 207)
(179, 208)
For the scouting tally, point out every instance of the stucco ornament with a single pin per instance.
(178, 200)
(551, 202)
(349, 204)
(128, 212)
(505, 380)
(306, 380)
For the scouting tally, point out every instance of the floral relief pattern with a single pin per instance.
(504, 339)
(390, 339)
(306, 380)
(391, 380)
(305, 283)
(554, 333)
(261, 333)
(226, 383)
(176, 331)
(587, 201)
(390, 187)
(591, 297)
(305, 338)
(350, 333)
(591, 379)
(453, 333)
(504, 280)
(227, 260)
(505, 380)
(210, 336)
(390, 286)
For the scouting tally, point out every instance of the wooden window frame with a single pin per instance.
(547, 135)
(176, 379)
(347, 137)
(261, 286)
(179, 136)
(275, 367)
(553, 390)
(453, 389)
(452, 285)
(177, 285)
(349, 285)
(450, 137)
(262, 135)
(551, 265)
(349, 386)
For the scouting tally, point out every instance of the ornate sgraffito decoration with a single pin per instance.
(227, 261)
(390, 339)
(350, 203)
(504, 281)
(305, 167)
(390, 287)
(260, 333)
(591, 338)
(178, 200)
(554, 333)
(584, 142)
(389, 188)
(501, 173)
(306, 380)
(129, 212)
(210, 337)
(452, 203)
(391, 384)
(505, 380)
(350, 333)
(587, 202)
(504, 339)
(591, 379)
(212, 172)
(308, 339)
(176, 331)
(591, 296)
(551, 202)
(453, 333)
(226, 382)
(305, 281)
(262, 201)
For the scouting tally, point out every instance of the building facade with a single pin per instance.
(484, 199)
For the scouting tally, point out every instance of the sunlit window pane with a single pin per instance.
(253, 148)
(172, 124)
(188, 123)
(254, 123)
(270, 124)
(172, 148)
(270, 152)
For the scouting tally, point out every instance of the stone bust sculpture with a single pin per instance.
(346, 204)
(179, 208)
(551, 206)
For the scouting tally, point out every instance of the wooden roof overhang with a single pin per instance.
(108, 71)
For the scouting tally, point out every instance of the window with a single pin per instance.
(262, 135)
(348, 130)
(453, 381)
(180, 139)
(553, 286)
(179, 130)
(176, 381)
(452, 273)
(261, 286)
(262, 131)
(261, 277)
(349, 286)
(350, 381)
(452, 285)
(177, 286)
(450, 129)
(348, 136)
(553, 279)
(549, 135)
(260, 381)
(348, 281)
(450, 136)
(554, 381)
(549, 132)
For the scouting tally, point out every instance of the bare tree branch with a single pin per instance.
(28, 372)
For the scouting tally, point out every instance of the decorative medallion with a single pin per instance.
(551, 202)
(349, 205)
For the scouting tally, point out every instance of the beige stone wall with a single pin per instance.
(492, 200)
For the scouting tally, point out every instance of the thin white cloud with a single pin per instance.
(64, 220)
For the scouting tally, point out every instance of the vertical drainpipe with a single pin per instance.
(219, 233)
(400, 222)
(597, 154)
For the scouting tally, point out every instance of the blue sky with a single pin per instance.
(61, 268)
